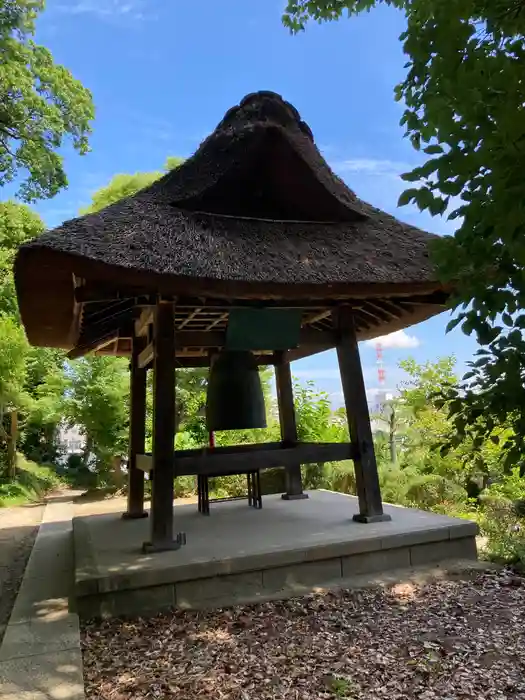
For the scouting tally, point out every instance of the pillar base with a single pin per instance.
(155, 547)
(169, 545)
(134, 516)
(294, 496)
(384, 518)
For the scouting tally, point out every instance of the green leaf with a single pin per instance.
(412, 176)
(433, 149)
(48, 108)
(406, 197)
(454, 322)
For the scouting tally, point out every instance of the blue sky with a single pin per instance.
(163, 72)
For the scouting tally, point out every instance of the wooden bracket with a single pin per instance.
(144, 321)
(145, 357)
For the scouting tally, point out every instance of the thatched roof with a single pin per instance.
(255, 212)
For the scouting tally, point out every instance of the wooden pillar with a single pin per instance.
(367, 479)
(161, 516)
(283, 377)
(137, 433)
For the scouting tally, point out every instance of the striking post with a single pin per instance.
(161, 537)
(137, 433)
(283, 377)
(367, 479)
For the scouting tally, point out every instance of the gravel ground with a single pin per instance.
(448, 639)
(18, 530)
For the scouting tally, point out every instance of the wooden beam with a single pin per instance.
(93, 344)
(236, 459)
(146, 356)
(228, 304)
(353, 384)
(190, 317)
(369, 316)
(379, 312)
(161, 531)
(390, 306)
(217, 339)
(317, 316)
(283, 380)
(96, 293)
(190, 362)
(301, 352)
(137, 434)
(216, 321)
(143, 322)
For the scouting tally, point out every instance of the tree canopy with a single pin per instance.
(464, 98)
(41, 104)
(125, 185)
(18, 224)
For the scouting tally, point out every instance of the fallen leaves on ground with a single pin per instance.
(449, 639)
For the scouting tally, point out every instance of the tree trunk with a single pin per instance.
(11, 444)
(392, 436)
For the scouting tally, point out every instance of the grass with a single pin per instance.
(32, 482)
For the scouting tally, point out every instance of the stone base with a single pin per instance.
(294, 496)
(383, 518)
(134, 516)
(157, 547)
(167, 545)
(242, 555)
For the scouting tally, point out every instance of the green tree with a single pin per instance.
(40, 104)
(97, 403)
(32, 378)
(126, 185)
(317, 423)
(119, 186)
(45, 390)
(18, 224)
(464, 101)
(444, 464)
(99, 395)
(13, 351)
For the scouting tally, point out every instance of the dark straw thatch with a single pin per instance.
(255, 212)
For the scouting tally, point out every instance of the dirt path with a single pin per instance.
(18, 530)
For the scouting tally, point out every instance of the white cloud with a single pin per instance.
(318, 373)
(399, 340)
(371, 166)
(379, 182)
(105, 9)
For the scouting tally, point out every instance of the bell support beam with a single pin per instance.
(311, 341)
(137, 434)
(283, 379)
(161, 521)
(234, 459)
(367, 478)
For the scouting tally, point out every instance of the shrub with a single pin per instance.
(429, 490)
(503, 530)
(31, 483)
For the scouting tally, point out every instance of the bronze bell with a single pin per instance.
(235, 399)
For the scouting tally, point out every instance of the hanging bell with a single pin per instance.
(235, 399)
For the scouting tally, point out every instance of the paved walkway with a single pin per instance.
(40, 656)
(18, 530)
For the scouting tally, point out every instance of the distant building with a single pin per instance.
(380, 400)
(71, 439)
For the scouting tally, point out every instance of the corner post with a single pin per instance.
(161, 528)
(137, 433)
(367, 478)
(283, 377)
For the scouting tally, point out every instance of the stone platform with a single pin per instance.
(239, 554)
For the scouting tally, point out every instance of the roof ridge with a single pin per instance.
(264, 106)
